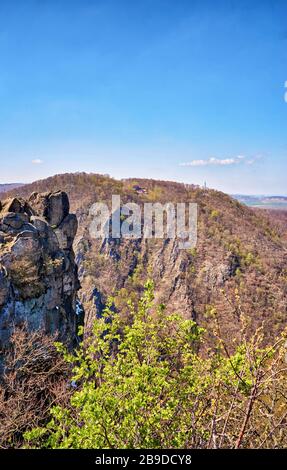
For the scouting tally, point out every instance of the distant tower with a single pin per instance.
(205, 185)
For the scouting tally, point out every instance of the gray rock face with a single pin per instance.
(66, 231)
(54, 207)
(38, 274)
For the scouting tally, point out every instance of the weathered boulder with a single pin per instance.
(39, 203)
(66, 231)
(13, 220)
(12, 205)
(38, 274)
(54, 207)
(58, 208)
(46, 233)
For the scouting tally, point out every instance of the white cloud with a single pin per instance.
(37, 161)
(221, 161)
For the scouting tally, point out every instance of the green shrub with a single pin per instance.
(147, 385)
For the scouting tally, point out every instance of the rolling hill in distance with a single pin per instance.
(264, 201)
(9, 186)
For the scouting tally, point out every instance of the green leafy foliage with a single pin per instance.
(146, 385)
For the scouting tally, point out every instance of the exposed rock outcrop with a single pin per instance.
(38, 274)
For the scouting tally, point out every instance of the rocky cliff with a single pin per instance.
(38, 274)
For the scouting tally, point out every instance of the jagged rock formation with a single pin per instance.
(38, 274)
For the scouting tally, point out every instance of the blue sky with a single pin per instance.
(190, 91)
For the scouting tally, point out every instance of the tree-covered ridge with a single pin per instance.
(238, 250)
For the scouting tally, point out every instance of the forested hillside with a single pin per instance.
(238, 265)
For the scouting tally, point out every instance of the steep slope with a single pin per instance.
(238, 266)
(38, 274)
